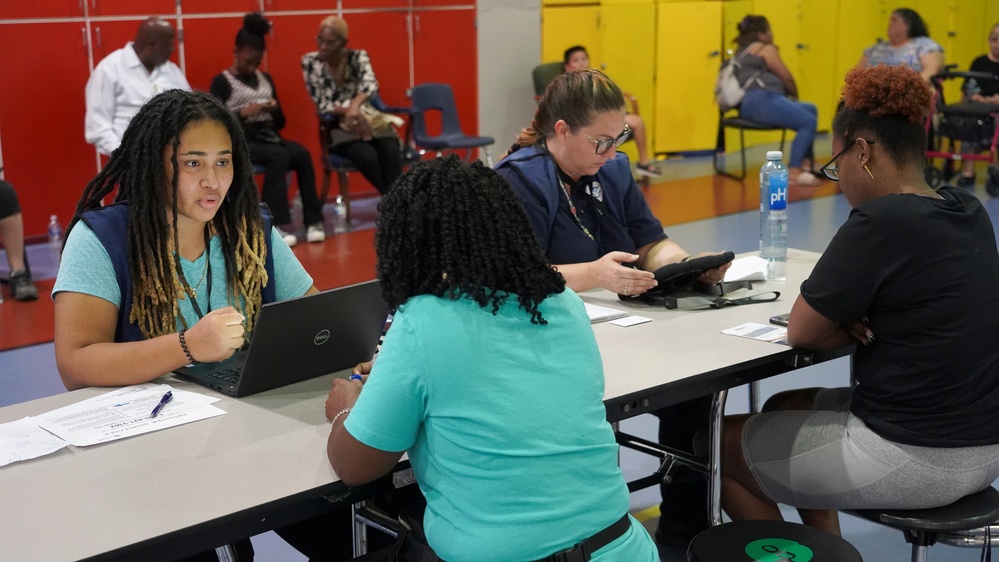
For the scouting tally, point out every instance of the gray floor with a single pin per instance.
(30, 372)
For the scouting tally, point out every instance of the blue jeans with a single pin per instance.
(771, 108)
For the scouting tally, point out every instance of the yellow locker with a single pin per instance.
(732, 14)
(817, 54)
(565, 26)
(688, 55)
(860, 24)
(628, 30)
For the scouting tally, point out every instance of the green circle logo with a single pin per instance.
(778, 550)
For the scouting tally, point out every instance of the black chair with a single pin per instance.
(439, 97)
(769, 540)
(543, 74)
(923, 527)
(742, 125)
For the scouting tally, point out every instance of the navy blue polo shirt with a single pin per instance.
(609, 205)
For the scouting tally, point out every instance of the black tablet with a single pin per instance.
(678, 276)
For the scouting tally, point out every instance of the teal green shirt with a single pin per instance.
(505, 426)
(86, 268)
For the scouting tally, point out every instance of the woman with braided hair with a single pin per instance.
(176, 269)
(911, 276)
(482, 322)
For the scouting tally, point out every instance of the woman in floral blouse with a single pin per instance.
(341, 81)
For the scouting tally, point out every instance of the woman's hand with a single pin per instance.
(607, 272)
(343, 394)
(713, 276)
(256, 108)
(861, 332)
(216, 336)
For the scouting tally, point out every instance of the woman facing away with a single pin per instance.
(772, 96)
(177, 268)
(908, 44)
(482, 321)
(911, 277)
(252, 96)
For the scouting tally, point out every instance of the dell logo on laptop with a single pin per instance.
(321, 337)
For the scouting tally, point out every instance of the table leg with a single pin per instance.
(714, 457)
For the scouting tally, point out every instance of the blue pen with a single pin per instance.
(163, 401)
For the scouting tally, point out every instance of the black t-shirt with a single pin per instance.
(983, 64)
(925, 273)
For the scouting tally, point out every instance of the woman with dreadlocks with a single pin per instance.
(482, 320)
(175, 271)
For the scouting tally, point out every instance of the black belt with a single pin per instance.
(582, 551)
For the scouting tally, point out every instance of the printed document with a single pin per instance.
(126, 412)
(762, 332)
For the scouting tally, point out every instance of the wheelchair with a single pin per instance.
(950, 126)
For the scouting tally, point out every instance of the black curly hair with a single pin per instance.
(138, 171)
(451, 229)
(253, 33)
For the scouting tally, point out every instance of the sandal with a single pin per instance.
(805, 179)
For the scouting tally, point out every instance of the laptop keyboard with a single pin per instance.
(230, 375)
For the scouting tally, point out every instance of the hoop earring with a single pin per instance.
(868, 171)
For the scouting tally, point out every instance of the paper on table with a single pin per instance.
(125, 412)
(748, 268)
(22, 440)
(602, 313)
(762, 332)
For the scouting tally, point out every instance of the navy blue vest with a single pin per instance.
(110, 224)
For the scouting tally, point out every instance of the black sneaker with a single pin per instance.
(647, 170)
(21, 286)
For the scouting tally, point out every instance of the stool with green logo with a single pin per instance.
(769, 541)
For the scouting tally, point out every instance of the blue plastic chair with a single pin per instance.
(430, 97)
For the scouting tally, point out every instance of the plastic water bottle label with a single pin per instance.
(778, 192)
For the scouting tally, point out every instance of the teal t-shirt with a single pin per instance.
(86, 268)
(505, 426)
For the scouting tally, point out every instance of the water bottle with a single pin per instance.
(773, 216)
(55, 236)
(340, 224)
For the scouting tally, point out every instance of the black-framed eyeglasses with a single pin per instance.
(832, 172)
(602, 146)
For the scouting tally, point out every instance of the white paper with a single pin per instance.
(630, 321)
(126, 412)
(602, 313)
(748, 268)
(22, 440)
(762, 332)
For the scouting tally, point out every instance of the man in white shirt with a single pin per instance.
(126, 79)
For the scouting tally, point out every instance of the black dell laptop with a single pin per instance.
(299, 339)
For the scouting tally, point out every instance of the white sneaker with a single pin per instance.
(315, 233)
(289, 239)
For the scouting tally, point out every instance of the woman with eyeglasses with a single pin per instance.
(341, 82)
(911, 278)
(593, 223)
(772, 96)
(588, 213)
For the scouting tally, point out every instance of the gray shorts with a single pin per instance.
(827, 458)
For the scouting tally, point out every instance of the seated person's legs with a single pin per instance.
(12, 236)
(312, 211)
(773, 109)
(637, 126)
(366, 158)
(276, 159)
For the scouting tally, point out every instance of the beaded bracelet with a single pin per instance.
(187, 352)
(338, 414)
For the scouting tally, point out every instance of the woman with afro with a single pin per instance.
(910, 278)
(177, 268)
(490, 378)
